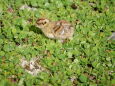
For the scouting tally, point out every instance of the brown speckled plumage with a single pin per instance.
(56, 29)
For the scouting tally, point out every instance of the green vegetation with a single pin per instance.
(87, 60)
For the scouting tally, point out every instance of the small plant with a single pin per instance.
(88, 59)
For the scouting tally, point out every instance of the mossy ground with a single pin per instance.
(89, 57)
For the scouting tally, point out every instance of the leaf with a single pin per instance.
(83, 78)
(14, 30)
(2, 53)
(1, 41)
(37, 14)
(113, 81)
(34, 3)
(1, 8)
(9, 47)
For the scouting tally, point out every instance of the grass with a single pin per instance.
(88, 59)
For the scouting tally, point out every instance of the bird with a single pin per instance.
(60, 30)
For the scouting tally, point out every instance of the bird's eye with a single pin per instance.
(45, 22)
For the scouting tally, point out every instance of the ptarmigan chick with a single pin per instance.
(55, 29)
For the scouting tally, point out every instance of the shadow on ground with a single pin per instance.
(35, 29)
